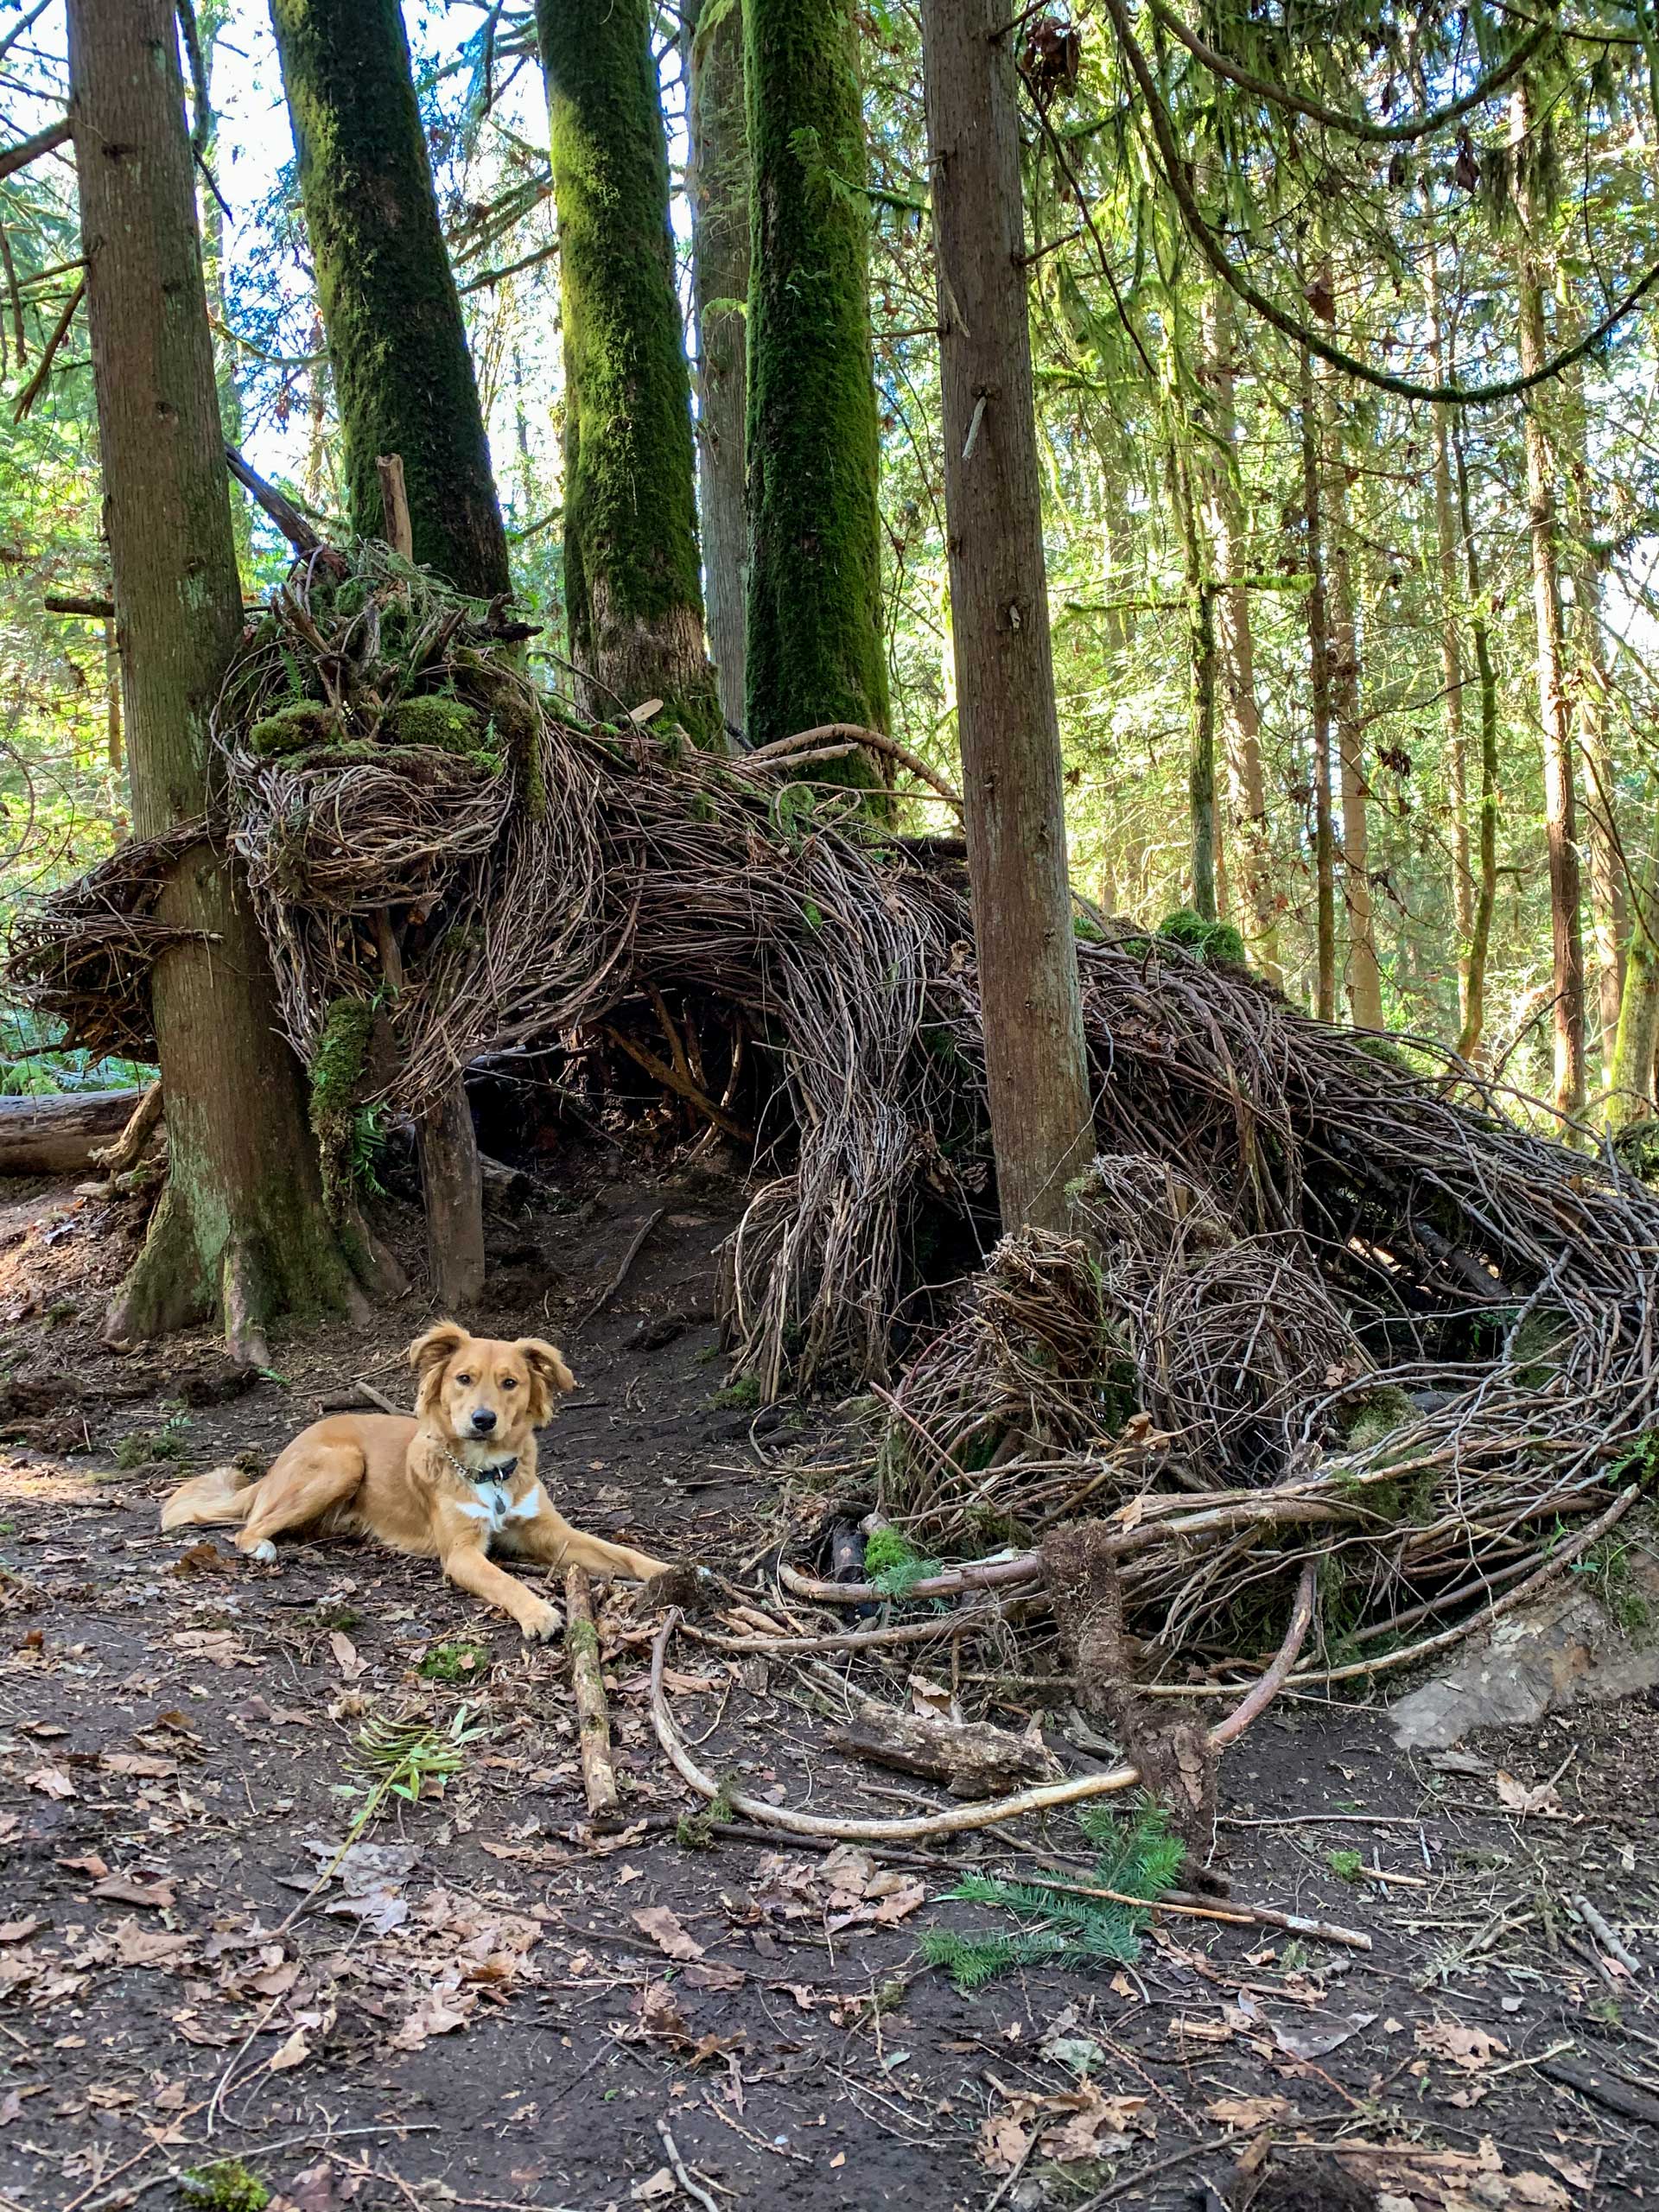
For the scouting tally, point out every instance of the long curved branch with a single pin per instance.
(1376, 134)
(955, 1819)
(1301, 333)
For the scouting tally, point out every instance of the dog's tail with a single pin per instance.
(220, 1498)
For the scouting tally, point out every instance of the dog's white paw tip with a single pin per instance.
(264, 1552)
(544, 1629)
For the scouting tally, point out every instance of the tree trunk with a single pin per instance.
(1480, 929)
(1457, 743)
(114, 745)
(1041, 1120)
(1629, 1077)
(1592, 698)
(1364, 980)
(632, 587)
(1246, 785)
(1201, 677)
(1318, 640)
(814, 647)
(1560, 798)
(241, 1230)
(717, 185)
(410, 413)
(211, 19)
(403, 373)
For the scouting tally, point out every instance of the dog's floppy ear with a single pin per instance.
(547, 1373)
(430, 1354)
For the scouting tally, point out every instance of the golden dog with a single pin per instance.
(449, 1482)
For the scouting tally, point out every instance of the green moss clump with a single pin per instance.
(461, 1660)
(225, 2186)
(1346, 1865)
(1219, 944)
(1379, 1414)
(745, 1392)
(295, 727)
(444, 724)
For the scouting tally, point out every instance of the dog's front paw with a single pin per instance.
(542, 1624)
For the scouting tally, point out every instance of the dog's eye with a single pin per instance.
(509, 1382)
(465, 1380)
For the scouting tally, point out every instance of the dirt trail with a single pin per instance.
(495, 2009)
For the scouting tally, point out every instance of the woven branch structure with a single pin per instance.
(1324, 1287)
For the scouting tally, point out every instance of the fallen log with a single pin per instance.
(593, 1713)
(977, 1761)
(58, 1135)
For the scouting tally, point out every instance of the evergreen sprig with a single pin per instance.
(1139, 1858)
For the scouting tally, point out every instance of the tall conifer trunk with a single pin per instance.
(1480, 927)
(1450, 593)
(633, 593)
(1319, 641)
(718, 187)
(1041, 1120)
(815, 649)
(403, 375)
(405, 386)
(1592, 707)
(241, 1230)
(1365, 978)
(1561, 805)
(1236, 645)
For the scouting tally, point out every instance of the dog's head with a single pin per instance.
(479, 1389)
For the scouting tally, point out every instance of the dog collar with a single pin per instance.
(502, 1473)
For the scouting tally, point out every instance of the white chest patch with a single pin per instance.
(492, 1504)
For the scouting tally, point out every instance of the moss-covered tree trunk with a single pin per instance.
(241, 1230)
(815, 649)
(633, 593)
(403, 374)
(1472, 973)
(1318, 640)
(717, 185)
(405, 387)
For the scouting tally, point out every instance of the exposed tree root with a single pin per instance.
(958, 1818)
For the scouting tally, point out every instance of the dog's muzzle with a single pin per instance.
(483, 1422)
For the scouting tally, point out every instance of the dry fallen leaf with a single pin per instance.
(665, 1928)
(19, 1931)
(1522, 1797)
(658, 2187)
(1469, 2048)
(126, 1889)
(347, 1658)
(50, 1781)
(1249, 2112)
(1002, 2143)
(294, 2052)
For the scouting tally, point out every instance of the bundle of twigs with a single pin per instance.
(84, 956)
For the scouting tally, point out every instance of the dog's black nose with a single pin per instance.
(483, 1422)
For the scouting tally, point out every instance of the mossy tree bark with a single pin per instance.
(1364, 977)
(241, 1230)
(814, 647)
(717, 185)
(633, 591)
(403, 373)
(404, 383)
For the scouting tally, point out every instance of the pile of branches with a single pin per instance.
(1292, 1228)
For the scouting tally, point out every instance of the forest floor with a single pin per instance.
(499, 2009)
